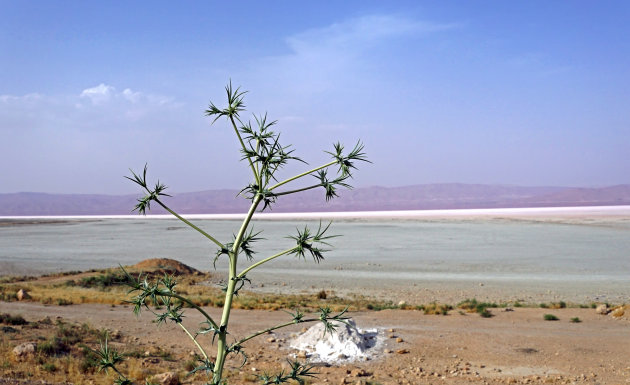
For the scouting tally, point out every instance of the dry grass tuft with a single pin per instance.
(436, 308)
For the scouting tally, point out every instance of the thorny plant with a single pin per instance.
(265, 156)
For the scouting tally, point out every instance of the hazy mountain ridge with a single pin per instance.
(418, 197)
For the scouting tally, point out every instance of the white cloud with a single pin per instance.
(95, 108)
(133, 97)
(99, 94)
(359, 33)
(24, 98)
(340, 56)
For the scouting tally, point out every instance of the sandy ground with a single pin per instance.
(512, 347)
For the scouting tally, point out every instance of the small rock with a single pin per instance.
(359, 373)
(617, 312)
(399, 340)
(402, 351)
(271, 339)
(602, 309)
(25, 350)
(168, 378)
(116, 334)
(22, 295)
(391, 330)
(402, 303)
(150, 361)
(301, 354)
(387, 351)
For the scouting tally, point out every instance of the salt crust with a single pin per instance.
(346, 344)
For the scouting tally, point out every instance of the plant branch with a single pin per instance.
(253, 266)
(249, 159)
(191, 304)
(302, 175)
(298, 190)
(210, 237)
(194, 340)
(274, 328)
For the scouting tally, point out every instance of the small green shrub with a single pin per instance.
(544, 306)
(575, 320)
(378, 306)
(550, 317)
(54, 346)
(8, 329)
(89, 360)
(558, 305)
(9, 319)
(104, 280)
(436, 308)
(474, 306)
(63, 302)
(49, 367)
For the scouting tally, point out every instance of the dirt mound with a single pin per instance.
(166, 265)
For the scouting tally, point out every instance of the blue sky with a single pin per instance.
(497, 92)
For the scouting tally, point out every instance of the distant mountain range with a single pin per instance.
(419, 197)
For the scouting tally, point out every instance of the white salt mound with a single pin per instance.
(347, 343)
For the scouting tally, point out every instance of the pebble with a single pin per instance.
(359, 373)
(399, 340)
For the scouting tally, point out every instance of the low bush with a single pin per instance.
(104, 280)
(558, 305)
(474, 306)
(9, 319)
(435, 308)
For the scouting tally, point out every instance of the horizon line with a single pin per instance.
(382, 214)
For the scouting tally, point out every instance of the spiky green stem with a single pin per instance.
(229, 294)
